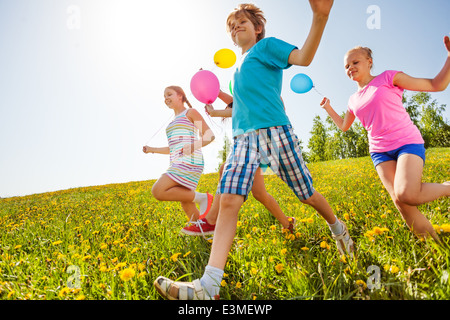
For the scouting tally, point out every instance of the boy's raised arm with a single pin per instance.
(304, 56)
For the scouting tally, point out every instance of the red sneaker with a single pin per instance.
(210, 201)
(199, 228)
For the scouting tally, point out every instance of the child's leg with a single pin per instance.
(225, 229)
(211, 217)
(415, 220)
(165, 189)
(260, 193)
(190, 209)
(321, 205)
(408, 185)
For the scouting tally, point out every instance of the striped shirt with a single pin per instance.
(184, 169)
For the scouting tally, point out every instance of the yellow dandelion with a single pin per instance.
(57, 242)
(223, 283)
(394, 269)
(346, 216)
(134, 250)
(377, 230)
(273, 228)
(64, 291)
(238, 285)
(283, 251)
(305, 248)
(141, 274)
(310, 220)
(174, 257)
(254, 271)
(279, 268)
(361, 284)
(18, 246)
(127, 274)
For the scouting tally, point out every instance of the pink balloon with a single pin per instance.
(205, 86)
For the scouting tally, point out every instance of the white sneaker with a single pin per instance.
(344, 242)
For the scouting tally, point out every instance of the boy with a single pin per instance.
(262, 134)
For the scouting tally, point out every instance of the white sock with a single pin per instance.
(202, 200)
(337, 227)
(211, 280)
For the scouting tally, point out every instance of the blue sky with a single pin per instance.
(82, 81)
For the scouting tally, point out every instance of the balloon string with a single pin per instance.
(159, 130)
(318, 92)
(220, 128)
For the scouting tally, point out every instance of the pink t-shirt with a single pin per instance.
(379, 108)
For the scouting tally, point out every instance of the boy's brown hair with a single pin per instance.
(253, 13)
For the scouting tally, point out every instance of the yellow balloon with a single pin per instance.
(225, 58)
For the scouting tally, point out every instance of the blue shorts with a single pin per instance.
(275, 147)
(417, 149)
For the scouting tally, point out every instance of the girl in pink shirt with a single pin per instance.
(395, 144)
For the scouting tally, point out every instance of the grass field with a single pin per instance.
(111, 242)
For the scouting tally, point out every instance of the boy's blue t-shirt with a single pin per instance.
(257, 86)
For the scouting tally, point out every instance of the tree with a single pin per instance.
(317, 142)
(434, 128)
(223, 154)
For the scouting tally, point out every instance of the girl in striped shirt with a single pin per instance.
(179, 182)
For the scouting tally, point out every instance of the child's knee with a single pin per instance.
(259, 195)
(231, 202)
(406, 196)
(156, 192)
(313, 200)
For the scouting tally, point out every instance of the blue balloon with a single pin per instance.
(301, 83)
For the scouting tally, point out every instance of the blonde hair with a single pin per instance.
(366, 50)
(253, 13)
(180, 92)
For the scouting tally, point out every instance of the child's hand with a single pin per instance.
(188, 149)
(208, 109)
(325, 103)
(146, 149)
(321, 7)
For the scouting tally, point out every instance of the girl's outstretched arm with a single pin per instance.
(304, 56)
(342, 123)
(163, 150)
(439, 83)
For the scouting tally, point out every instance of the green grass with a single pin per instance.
(108, 232)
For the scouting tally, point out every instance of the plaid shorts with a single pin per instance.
(275, 147)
